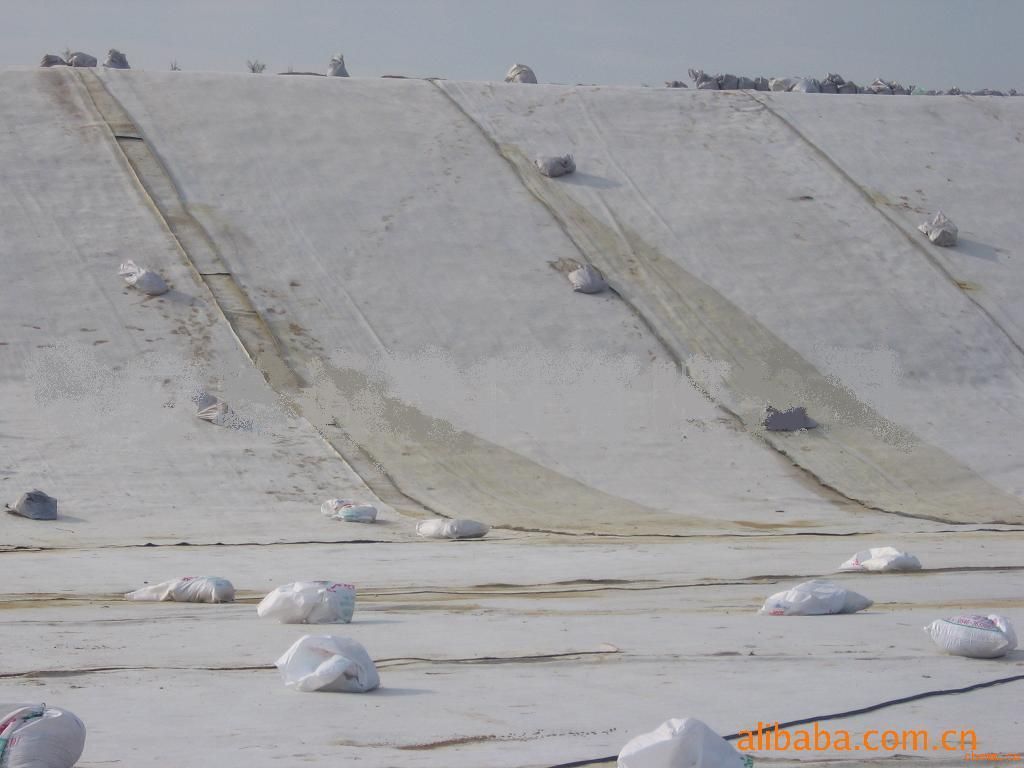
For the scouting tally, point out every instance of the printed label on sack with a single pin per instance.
(977, 622)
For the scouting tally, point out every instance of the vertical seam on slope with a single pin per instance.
(88, 79)
(914, 242)
(680, 364)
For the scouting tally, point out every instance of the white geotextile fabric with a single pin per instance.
(893, 453)
(489, 477)
(109, 372)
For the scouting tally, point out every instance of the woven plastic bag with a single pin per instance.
(35, 505)
(309, 602)
(145, 280)
(440, 528)
(79, 59)
(940, 230)
(38, 736)
(790, 420)
(189, 589)
(680, 743)
(337, 67)
(978, 637)
(349, 511)
(116, 60)
(881, 559)
(520, 73)
(587, 279)
(815, 598)
(554, 167)
(328, 663)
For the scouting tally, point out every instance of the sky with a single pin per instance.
(931, 43)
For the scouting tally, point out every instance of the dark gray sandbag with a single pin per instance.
(79, 59)
(555, 166)
(337, 67)
(116, 60)
(51, 60)
(35, 505)
(790, 420)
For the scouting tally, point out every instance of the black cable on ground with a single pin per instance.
(834, 716)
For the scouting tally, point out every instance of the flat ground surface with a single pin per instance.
(373, 276)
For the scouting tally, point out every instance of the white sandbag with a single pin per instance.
(879, 86)
(349, 511)
(979, 637)
(554, 167)
(214, 410)
(337, 67)
(79, 59)
(781, 83)
(587, 279)
(703, 81)
(38, 736)
(51, 60)
(189, 589)
(116, 60)
(680, 743)
(328, 663)
(309, 602)
(520, 73)
(35, 505)
(439, 528)
(881, 559)
(806, 85)
(145, 280)
(940, 230)
(790, 420)
(815, 598)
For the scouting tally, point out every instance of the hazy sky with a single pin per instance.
(932, 43)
